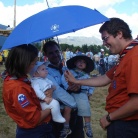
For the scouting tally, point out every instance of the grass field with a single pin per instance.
(8, 127)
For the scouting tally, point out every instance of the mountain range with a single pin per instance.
(80, 40)
(2, 38)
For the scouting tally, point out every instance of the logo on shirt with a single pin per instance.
(55, 28)
(23, 100)
(114, 84)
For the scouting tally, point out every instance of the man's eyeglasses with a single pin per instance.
(105, 38)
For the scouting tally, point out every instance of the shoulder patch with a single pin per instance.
(23, 100)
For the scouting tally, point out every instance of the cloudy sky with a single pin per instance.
(125, 9)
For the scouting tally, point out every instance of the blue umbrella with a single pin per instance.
(53, 22)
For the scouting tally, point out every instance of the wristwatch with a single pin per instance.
(108, 118)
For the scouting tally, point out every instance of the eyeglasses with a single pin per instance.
(105, 38)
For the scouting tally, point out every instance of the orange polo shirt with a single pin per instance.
(21, 103)
(124, 82)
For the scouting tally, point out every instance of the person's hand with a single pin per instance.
(69, 77)
(73, 87)
(48, 100)
(104, 123)
(49, 92)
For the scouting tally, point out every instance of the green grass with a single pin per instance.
(8, 127)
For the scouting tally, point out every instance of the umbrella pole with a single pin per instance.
(14, 21)
(62, 56)
(58, 41)
(47, 4)
(42, 44)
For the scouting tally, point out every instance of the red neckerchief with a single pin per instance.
(59, 68)
(124, 52)
(24, 78)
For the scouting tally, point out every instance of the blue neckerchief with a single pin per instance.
(79, 73)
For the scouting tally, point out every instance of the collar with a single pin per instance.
(24, 78)
(59, 68)
(125, 51)
(80, 73)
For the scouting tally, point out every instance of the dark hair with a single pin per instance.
(102, 56)
(19, 59)
(50, 44)
(114, 25)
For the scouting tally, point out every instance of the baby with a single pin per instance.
(40, 84)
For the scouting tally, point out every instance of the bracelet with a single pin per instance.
(108, 118)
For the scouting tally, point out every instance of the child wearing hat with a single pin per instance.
(40, 83)
(81, 66)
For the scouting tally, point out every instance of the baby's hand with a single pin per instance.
(48, 100)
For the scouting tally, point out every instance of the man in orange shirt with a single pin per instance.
(122, 100)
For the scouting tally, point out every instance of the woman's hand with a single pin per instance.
(49, 92)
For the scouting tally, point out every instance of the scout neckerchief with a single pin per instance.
(124, 52)
(57, 68)
(24, 78)
(79, 73)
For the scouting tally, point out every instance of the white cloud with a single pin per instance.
(6, 15)
(105, 7)
(131, 20)
(91, 3)
(22, 12)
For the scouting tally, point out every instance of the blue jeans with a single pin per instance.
(76, 125)
(82, 103)
(41, 131)
(123, 129)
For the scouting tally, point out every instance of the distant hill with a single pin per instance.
(80, 40)
(2, 38)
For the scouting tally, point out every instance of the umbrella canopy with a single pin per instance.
(53, 22)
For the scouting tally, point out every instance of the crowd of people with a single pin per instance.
(102, 61)
(3, 56)
(71, 87)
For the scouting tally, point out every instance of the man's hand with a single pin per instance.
(104, 123)
(49, 92)
(69, 77)
(73, 87)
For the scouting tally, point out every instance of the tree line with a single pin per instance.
(84, 48)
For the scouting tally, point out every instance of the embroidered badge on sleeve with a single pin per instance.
(23, 100)
(114, 84)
